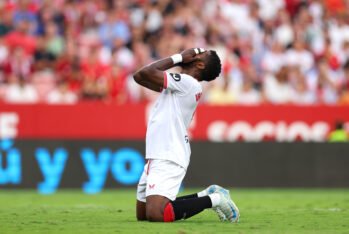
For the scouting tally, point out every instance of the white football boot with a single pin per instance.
(226, 210)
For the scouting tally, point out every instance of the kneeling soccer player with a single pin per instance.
(167, 142)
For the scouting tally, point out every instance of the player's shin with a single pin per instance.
(186, 208)
(194, 195)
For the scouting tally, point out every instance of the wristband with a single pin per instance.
(199, 50)
(176, 58)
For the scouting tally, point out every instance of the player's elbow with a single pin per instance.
(137, 77)
(143, 74)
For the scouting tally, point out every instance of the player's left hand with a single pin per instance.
(189, 55)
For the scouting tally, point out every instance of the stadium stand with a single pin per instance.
(279, 52)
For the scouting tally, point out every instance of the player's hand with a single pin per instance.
(189, 55)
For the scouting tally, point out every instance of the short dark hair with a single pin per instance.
(213, 67)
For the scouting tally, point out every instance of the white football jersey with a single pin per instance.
(167, 136)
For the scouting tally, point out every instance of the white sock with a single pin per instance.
(202, 193)
(215, 199)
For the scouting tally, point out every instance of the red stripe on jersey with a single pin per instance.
(165, 80)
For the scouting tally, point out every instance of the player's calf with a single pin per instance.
(161, 209)
(141, 211)
(155, 207)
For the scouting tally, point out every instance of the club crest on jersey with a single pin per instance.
(175, 76)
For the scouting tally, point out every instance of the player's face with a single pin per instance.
(201, 60)
(203, 56)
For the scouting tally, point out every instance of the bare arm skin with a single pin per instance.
(152, 75)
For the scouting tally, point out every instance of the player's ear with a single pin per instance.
(200, 65)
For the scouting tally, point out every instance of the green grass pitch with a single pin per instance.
(113, 211)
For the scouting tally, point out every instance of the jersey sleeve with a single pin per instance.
(178, 82)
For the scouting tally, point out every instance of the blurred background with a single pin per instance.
(72, 116)
(274, 51)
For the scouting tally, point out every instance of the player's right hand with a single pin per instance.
(189, 55)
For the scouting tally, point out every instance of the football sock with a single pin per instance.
(186, 208)
(195, 195)
(199, 194)
(202, 193)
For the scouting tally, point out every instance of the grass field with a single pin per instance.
(113, 211)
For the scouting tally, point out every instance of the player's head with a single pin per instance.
(206, 66)
(209, 65)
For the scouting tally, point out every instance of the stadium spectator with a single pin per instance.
(273, 59)
(3, 52)
(249, 95)
(299, 56)
(220, 94)
(344, 91)
(325, 81)
(94, 46)
(114, 27)
(25, 11)
(277, 88)
(18, 63)
(117, 85)
(62, 95)
(284, 34)
(54, 42)
(19, 91)
(6, 25)
(338, 134)
(43, 59)
(21, 37)
(302, 95)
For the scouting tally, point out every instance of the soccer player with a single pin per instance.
(167, 142)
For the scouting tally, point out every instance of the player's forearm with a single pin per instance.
(152, 69)
(162, 64)
(153, 73)
(151, 76)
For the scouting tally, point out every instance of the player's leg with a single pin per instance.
(209, 190)
(161, 209)
(194, 195)
(167, 177)
(141, 211)
(203, 193)
(222, 213)
(186, 208)
(163, 183)
(141, 199)
(155, 207)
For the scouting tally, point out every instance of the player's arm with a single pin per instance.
(152, 75)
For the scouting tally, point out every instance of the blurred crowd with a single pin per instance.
(272, 51)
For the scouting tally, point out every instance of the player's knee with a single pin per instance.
(154, 213)
(140, 211)
(141, 216)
